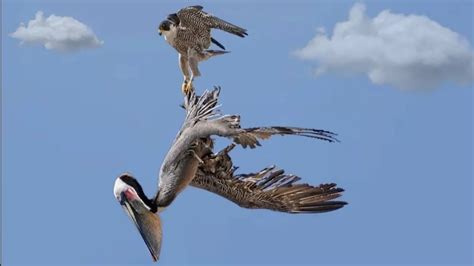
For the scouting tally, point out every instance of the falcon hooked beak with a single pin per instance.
(164, 26)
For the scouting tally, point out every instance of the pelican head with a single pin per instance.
(141, 211)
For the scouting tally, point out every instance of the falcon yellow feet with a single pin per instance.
(187, 87)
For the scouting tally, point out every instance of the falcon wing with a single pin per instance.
(268, 189)
(192, 16)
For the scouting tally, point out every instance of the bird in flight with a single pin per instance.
(189, 32)
(191, 161)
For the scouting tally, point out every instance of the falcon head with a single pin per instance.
(165, 26)
(171, 22)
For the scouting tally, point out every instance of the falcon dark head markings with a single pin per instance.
(189, 32)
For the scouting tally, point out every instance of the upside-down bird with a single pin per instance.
(189, 32)
(191, 161)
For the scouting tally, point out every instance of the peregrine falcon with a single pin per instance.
(189, 32)
(191, 161)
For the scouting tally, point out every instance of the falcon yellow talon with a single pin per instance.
(187, 87)
(183, 87)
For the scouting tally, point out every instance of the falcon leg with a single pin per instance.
(193, 61)
(184, 65)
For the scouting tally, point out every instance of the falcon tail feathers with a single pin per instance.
(211, 53)
(214, 41)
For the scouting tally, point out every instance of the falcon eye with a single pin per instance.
(164, 26)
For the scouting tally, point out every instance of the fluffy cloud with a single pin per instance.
(57, 33)
(404, 51)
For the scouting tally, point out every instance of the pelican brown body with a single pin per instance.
(191, 161)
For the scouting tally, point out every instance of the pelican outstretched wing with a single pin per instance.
(205, 108)
(269, 188)
(249, 137)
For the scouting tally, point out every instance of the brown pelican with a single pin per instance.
(191, 160)
(189, 32)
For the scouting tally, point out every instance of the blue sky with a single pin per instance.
(73, 121)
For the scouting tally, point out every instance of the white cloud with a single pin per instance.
(57, 33)
(404, 51)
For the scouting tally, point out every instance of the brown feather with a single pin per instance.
(269, 189)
